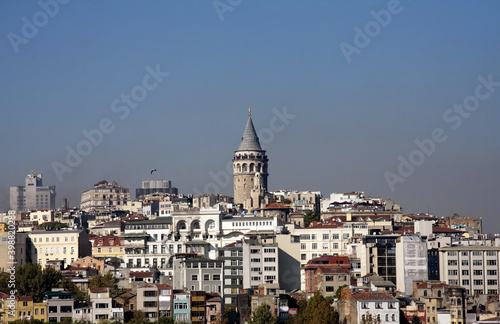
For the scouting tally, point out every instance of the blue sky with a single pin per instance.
(352, 119)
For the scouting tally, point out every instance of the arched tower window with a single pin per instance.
(245, 168)
(258, 167)
(251, 167)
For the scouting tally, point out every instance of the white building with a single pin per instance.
(260, 262)
(476, 268)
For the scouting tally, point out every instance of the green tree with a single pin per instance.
(262, 315)
(138, 318)
(166, 320)
(4, 282)
(31, 280)
(402, 318)
(106, 281)
(311, 216)
(415, 320)
(54, 226)
(317, 309)
(69, 285)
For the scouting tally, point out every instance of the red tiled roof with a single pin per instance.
(373, 296)
(145, 274)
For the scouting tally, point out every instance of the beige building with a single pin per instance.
(66, 245)
(105, 196)
(42, 216)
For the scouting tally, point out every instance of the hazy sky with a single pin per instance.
(363, 81)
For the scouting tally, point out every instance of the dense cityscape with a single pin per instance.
(258, 256)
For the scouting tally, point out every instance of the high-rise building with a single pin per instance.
(33, 195)
(250, 169)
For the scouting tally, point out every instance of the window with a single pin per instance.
(314, 246)
(364, 305)
(465, 262)
(255, 269)
(345, 236)
(149, 293)
(255, 260)
(465, 272)
(194, 277)
(491, 272)
(452, 253)
(269, 259)
(335, 246)
(329, 278)
(477, 253)
(313, 236)
(452, 272)
(270, 250)
(378, 305)
(492, 282)
(216, 277)
(303, 246)
(206, 277)
(452, 262)
(335, 236)
(478, 282)
(325, 236)
(491, 253)
(392, 305)
(330, 288)
(269, 278)
(325, 246)
(465, 282)
(253, 251)
(303, 256)
(478, 272)
(491, 262)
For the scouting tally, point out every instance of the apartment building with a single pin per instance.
(358, 305)
(101, 303)
(182, 306)
(260, 261)
(21, 308)
(197, 273)
(66, 245)
(147, 301)
(378, 254)
(476, 268)
(59, 305)
(330, 238)
(326, 274)
(104, 196)
(232, 257)
(109, 247)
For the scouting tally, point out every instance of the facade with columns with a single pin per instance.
(250, 169)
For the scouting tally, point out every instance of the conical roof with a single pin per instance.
(249, 141)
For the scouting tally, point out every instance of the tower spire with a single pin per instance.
(249, 110)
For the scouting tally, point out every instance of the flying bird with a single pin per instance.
(153, 171)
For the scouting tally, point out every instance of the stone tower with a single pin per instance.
(250, 169)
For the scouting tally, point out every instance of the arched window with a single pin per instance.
(251, 167)
(439, 293)
(245, 169)
(387, 317)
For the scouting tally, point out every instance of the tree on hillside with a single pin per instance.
(53, 226)
(402, 318)
(415, 320)
(317, 309)
(262, 315)
(106, 281)
(31, 280)
(310, 216)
